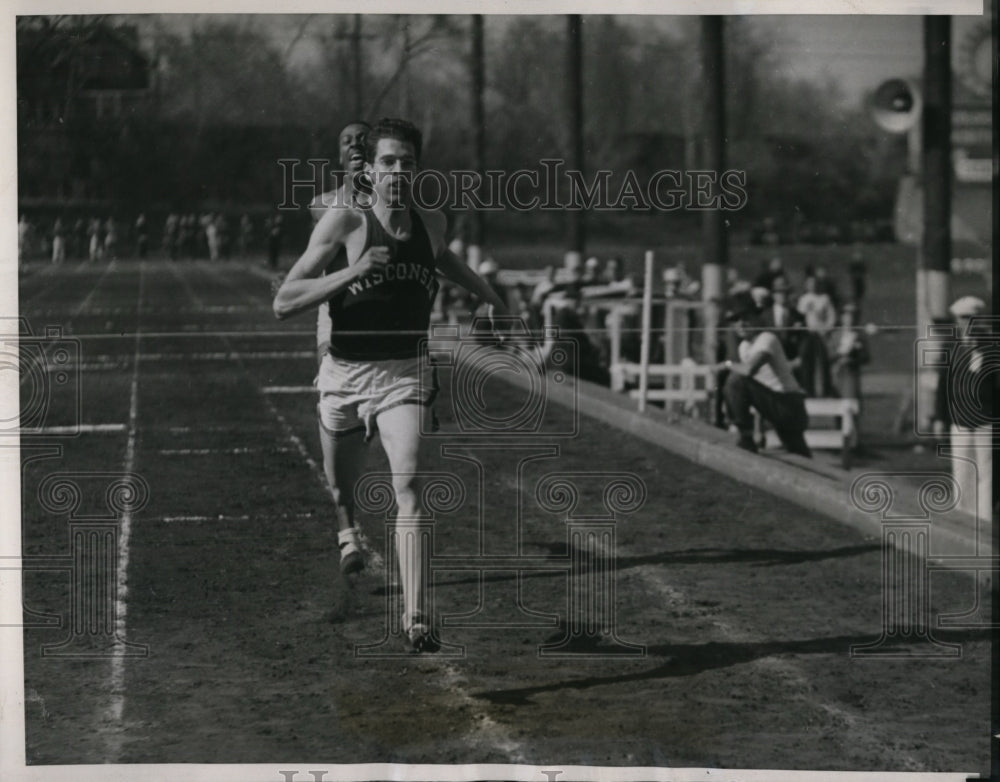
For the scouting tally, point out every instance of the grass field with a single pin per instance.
(745, 607)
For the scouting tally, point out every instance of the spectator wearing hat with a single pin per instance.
(850, 353)
(786, 322)
(964, 402)
(762, 379)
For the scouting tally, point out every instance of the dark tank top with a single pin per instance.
(385, 314)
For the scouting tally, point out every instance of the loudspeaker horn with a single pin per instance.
(895, 105)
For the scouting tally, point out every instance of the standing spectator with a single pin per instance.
(858, 271)
(246, 235)
(965, 400)
(591, 273)
(170, 235)
(825, 284)
(78, 246)
(275, 234)
(225, 240)
(110, 239)
(189, 231)
(787, 323)
(850, 353)
(211, 228)
(762, 379)
(96, 249)
(58, 242)
(141, 236)
(821, 317)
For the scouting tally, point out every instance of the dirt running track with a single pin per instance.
(745, 606)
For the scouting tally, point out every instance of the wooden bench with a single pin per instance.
(831, 437)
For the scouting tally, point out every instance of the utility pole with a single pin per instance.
(477, 229)
(936, 153)
(576, 228)
(715, 244)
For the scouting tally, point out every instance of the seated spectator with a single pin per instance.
(762, 379)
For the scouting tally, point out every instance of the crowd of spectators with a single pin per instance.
(210, 235)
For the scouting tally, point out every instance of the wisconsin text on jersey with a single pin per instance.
(398, 271)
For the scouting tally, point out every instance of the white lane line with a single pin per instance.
(220, 355)
(221, 451)
(211, 309)
(485, 732)
(225, 518)
(117, 708)
(80, 428)
(289, 390)
(79, 308)
(208, 334)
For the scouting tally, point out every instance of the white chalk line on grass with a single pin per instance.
(222, 451)
(485, 730)
(117, 707)
(225, 518)
(79, 429)
(79, 308)
(113, 361)
(289, 390)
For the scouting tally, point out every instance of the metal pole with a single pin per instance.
(936, 127)
(477, 228)
(647, 327)
(714, 239)
(934, 252)
(576, 227)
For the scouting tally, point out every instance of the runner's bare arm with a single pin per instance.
(452, 267)
(304, 288)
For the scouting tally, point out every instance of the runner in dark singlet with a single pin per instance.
(372, 377)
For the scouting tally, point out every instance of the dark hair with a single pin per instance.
(400, 129)
(355, 122)
(740, 306)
